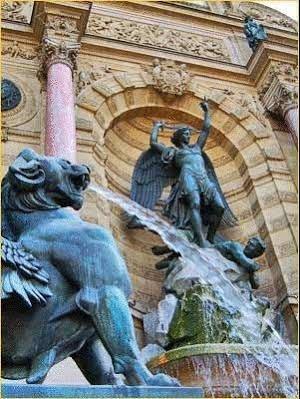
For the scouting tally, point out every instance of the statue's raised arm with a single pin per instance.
(154, 144)
(204, 132)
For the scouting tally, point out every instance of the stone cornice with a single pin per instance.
(60, 20)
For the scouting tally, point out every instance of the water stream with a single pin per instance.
(277, 355)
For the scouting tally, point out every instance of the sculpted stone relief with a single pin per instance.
(285, 72)
(158, 36)
(61, 26)
(198, 6)
(19, 11)
(17, 50)
(170, 77)
(247, 101)
(88, 74)
(279, 91)
(266, 15)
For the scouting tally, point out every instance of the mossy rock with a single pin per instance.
(199, 319)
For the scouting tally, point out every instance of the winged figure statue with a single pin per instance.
(196, 198)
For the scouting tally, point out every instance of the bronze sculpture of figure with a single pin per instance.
(196, 198)
(244, 256)
(254, 32)
(64, 284)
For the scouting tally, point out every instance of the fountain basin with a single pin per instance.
(226, 370)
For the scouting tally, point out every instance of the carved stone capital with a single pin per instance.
(53, 52)
(279, 91)
(170, 77)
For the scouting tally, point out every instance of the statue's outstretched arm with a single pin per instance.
(206, 125)
(249, 264)
(154, 144)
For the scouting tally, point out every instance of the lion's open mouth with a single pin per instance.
(79, 182)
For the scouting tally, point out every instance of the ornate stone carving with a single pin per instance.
(200, 5)
(89, 74)
(247, 101)
(52, 52)
(17, 50)
(61, 26)
(279, 91)
(158, 36)
(261, 13)
(19, 11)
(285, 72)
(4, 133)
(170, 77)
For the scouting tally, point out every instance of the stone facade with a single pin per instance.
(132, 63)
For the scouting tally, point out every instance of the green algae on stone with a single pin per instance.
(199, 319)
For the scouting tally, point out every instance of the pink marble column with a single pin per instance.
(291, 120)
(60, 135)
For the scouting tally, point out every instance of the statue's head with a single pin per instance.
(37, 182)
(248, 18)
(255, 247)
(181, 136)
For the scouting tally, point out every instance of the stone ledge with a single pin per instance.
(97, 391)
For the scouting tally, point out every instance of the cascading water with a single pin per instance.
(275, 355)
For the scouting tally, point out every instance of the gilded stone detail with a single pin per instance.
(16, 50)
(158, 36)
(170, 77)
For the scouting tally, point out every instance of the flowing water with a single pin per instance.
(277, 355)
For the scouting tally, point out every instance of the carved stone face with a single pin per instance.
(47, 182)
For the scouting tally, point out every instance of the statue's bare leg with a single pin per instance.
(196, 220)
(95, 363)
(217, 210)
(111, 315)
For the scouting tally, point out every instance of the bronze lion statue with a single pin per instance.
(65, 285)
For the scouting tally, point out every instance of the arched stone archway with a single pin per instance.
(258, 185)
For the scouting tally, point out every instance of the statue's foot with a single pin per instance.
(136, 373)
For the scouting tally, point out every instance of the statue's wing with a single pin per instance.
(22, 275)
(228, 219)
(150, 176)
